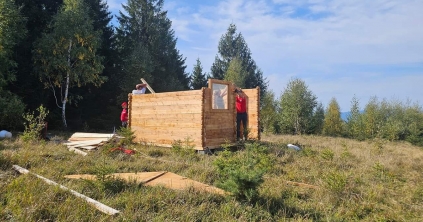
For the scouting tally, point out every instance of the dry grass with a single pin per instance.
(365, 181)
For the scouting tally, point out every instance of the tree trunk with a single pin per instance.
(65, 98)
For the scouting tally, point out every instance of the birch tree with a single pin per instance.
(66, 55)
(297, 103)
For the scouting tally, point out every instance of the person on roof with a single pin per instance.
(139, 89)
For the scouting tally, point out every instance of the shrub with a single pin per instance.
(241, 173)
(327, 154)
(34, 124)
(335, 182)
(127, 134)
(184, 148)
(11, 110)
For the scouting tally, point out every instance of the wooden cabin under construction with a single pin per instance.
(206, 117)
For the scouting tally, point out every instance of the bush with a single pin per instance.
(241, 173)
(11, 111)
(184, 148)
(127, 134)
(34, 124)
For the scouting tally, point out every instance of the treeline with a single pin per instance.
(298, 112)
(67, 56)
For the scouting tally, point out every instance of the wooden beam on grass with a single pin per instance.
(301, 184)
(77, 151)
(101, 207)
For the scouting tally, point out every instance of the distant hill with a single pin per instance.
(344, 115)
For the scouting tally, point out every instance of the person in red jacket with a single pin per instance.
(241, 112)
(124, 114)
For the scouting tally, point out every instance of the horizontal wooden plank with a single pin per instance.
(165, 95)
(166, 103)
(167, 117)
(168, 142)
(224, 126)
(219, 119)
(142, 121)
(81, 139)
(169, 107)
(87, 142)
(170, 136)
(166, 111)
(92, 135)
(222, 132)
(178, 125)
(182, 133)
(179, 99)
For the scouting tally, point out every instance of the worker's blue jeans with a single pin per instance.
(241, 117)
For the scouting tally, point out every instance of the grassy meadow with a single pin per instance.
(330, 179)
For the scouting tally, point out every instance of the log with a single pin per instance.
(101, 207)
(77, 151)
(301, 184)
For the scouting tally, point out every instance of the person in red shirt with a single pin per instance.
(124, 114)
(241, 112)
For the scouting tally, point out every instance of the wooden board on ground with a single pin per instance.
(166, 179)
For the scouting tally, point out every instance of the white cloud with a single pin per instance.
(115, 5)
(315, 40)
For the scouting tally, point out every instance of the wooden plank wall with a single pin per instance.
(163, 118)
(253, 112)
(219, 124)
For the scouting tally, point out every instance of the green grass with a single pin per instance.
(357, 181)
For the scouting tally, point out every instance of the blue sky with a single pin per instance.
(339, 48)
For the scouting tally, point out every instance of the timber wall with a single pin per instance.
(253, 112)
(163, 118)
(219, 124)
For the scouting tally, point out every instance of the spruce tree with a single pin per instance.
(232, 45)
(355, 124)
(144, 26)
(198, 78)
(317, 122)
(39, 14)
(99, 109)
(12, 30)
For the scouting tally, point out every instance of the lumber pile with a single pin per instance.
(87, 141)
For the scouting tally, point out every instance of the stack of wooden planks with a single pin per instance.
(87, 141)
